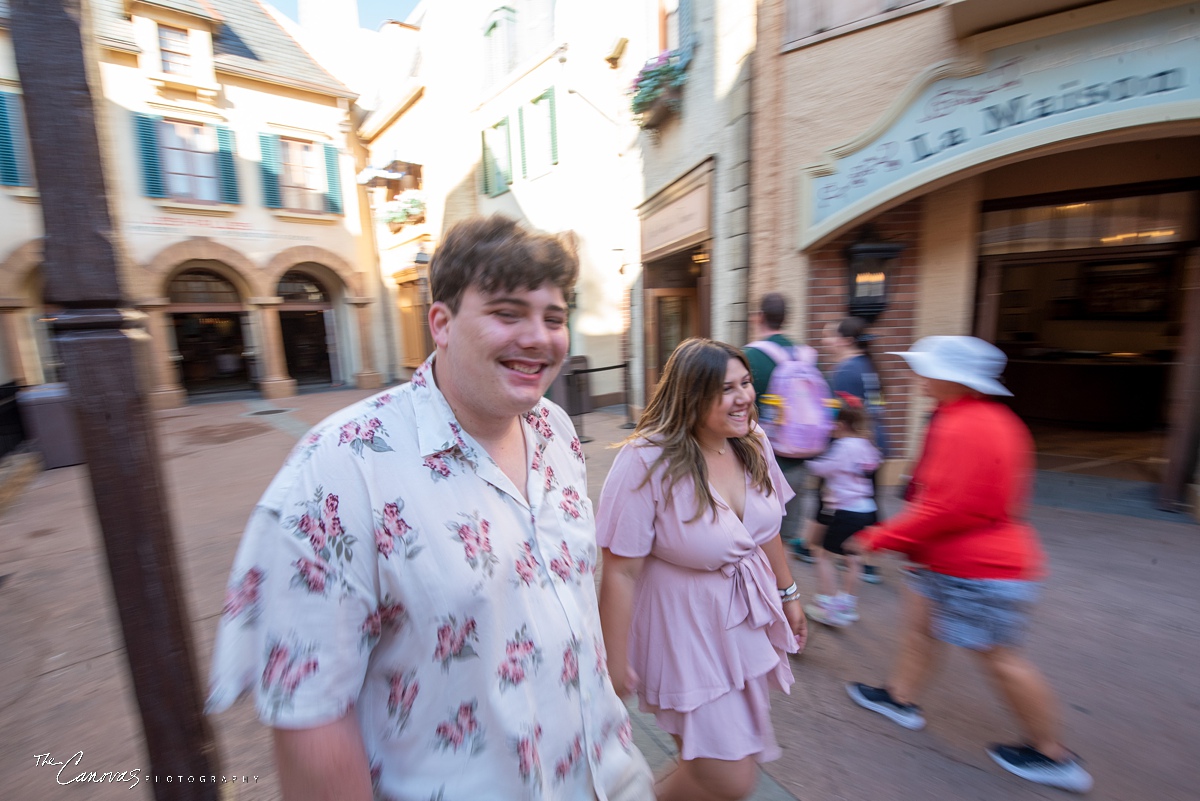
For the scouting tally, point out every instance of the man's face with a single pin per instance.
(499, 353)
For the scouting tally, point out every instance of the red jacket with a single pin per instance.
(968, 497)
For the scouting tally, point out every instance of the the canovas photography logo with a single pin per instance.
(72, 771)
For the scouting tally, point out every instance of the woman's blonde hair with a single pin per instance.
(692, 382)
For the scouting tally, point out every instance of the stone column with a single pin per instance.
(275, 381)
(166, 392)
(367, 377)
(11, 331)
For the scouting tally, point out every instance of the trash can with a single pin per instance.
(579, 386)
(50, 422)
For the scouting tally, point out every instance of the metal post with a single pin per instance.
(629, 421)
(107, 353)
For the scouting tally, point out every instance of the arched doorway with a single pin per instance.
(211, 333)
(307, 325)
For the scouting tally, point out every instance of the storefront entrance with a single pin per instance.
(212, 350)
(307, 324)
(673, 308)
(1085, 296)
(211, 332)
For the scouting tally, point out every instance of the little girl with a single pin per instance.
(847, 507)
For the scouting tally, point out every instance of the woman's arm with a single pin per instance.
(792, 610)
(618, 582)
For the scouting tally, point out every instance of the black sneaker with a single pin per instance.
(1031, 764)
(801, 551)
(878, 699)
(871, 575)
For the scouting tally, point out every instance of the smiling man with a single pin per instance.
(413, 603)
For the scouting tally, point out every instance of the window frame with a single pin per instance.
(191, 175)
(315, 191)
(889, 10)
(165, 48)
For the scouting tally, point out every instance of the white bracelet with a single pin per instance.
(792, 590)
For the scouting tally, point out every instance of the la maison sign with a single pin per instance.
(1120, 74)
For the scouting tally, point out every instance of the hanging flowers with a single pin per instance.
(655, 91)
(407, 207)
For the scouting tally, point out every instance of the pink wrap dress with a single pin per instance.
(708, 636)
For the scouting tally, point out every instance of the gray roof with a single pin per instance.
(112, 27)
(197, 8)
(252, 44)
(248, 41)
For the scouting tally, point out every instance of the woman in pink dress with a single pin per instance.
(697, 601)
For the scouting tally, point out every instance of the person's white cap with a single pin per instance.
(969, 361)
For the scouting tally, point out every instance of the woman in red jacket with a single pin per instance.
(979, 561)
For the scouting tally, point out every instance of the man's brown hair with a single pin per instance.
(496, 254)
(774, 310)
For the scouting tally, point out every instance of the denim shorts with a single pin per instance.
(977, 613)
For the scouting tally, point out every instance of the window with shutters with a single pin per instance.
(818, 18)
(15, 167)
(301, 178)
(174, 48)
(497, 158)
(514, 34)
(668, 25)
(189, 161)
(500, 45)
(539, 135)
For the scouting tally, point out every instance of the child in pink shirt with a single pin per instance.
(847, 507)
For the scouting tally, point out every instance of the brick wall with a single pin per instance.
(895, 329)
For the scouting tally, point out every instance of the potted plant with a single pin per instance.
(406, 208)
(655, 94)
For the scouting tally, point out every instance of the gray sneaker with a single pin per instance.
(1031, 764)
(878, 699)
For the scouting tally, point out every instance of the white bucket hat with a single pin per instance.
(969, 361)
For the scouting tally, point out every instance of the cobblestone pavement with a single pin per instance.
(1118, 634)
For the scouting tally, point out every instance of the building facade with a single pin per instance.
(694, 208)
(517, 108)
(231, 163)
(1026, 172)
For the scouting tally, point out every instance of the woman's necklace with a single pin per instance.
(720, 452)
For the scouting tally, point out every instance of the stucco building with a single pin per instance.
(518, 108)
(1031, 170)
(231, 164)
(694, 206)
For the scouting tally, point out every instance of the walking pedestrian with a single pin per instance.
(413, 602)
(847, 507)
(697, 600)
(854, 372)
(769, 321)
(979, 561)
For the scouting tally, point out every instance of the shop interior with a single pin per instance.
(212, 352)
(1090, 314)
(676, 293)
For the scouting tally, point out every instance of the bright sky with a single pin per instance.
(370, 12)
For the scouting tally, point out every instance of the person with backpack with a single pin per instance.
(794, 407)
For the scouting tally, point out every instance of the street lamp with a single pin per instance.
(869, 268)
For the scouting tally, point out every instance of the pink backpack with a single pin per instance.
(797, 411)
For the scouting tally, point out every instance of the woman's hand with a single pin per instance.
(794, 612)
(625, 682)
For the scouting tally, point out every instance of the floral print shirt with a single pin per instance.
(393, 567)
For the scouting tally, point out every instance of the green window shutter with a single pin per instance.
(227, 163)
(333, 178)
(153, 184)
(486, 158)
(687, 36)
(521, 133)
(272, 196)
(553, 126)
(508, 171)
(10, 168)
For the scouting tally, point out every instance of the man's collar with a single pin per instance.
(438, 429)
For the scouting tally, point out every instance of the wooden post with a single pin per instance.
(106, 352)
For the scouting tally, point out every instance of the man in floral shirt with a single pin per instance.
(413, 602)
